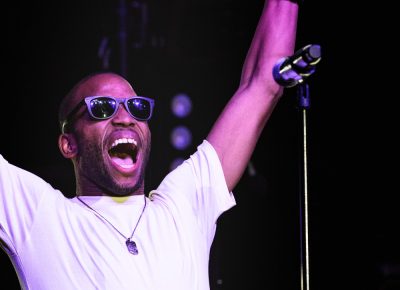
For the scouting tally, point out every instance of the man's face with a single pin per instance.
(112, 153)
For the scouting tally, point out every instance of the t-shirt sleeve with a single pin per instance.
(200, 181)
(20, 195)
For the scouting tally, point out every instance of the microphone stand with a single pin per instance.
(303, 99)
(289, 72)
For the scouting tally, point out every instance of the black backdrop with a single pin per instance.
(198, 47)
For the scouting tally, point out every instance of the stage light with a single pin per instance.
(175, 163)
(181, 105)
(181, 137)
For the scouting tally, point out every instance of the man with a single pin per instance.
(111, 236)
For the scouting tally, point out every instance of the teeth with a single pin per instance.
(124, 141)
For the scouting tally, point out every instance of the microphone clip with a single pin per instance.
(293, 70)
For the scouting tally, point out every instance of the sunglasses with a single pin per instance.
(102, 108)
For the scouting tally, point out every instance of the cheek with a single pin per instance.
(90, 132)
(90, 127)
(146, 133)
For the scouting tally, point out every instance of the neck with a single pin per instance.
(91, 189)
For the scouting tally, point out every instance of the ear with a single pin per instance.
(68, 146)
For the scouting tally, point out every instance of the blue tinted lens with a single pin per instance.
(139, 108)
(103, 107)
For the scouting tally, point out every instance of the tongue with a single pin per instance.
(123, 160)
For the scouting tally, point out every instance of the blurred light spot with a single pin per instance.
(181, 105)
(181, 137)
(175, 163)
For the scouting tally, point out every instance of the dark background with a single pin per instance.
(198, 47)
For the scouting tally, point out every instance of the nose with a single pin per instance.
(122, 117)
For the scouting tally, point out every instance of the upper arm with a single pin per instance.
(236, 131)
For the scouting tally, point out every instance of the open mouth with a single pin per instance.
(123, 152)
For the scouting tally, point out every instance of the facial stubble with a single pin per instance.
(95, 168)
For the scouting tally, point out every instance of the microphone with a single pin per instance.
(292, 70)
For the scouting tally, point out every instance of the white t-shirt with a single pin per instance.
(58, 243)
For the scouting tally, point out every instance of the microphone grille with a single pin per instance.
(315, 51)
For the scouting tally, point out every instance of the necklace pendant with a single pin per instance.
(132, 248)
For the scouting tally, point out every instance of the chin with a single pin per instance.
(127, 188)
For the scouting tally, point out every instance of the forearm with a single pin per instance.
(235, 134)
(274, 38)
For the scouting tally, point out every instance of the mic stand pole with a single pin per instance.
(304, 104)
(289, 72)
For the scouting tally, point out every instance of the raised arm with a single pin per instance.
(236, 131)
